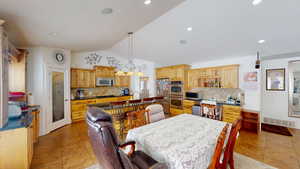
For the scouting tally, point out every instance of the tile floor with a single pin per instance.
(69, 148)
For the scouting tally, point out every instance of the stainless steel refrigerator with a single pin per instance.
(163, 89)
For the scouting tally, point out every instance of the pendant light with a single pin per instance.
(257, 63)
(130, 66)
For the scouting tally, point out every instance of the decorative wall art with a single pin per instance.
(275, 79)
(93, 59)
(112, 61)
(250, 81)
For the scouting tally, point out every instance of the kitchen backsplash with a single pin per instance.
(220, 94)
(100, 91)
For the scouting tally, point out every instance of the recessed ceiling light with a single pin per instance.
(107, 11)
(147, 2)
(189, 29)
(256, 2)
(53, 34)
(261, 41)
(183, 42)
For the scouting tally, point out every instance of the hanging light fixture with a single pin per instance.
(130, 66)
(257, 63)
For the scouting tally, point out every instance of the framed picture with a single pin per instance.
(275, 79)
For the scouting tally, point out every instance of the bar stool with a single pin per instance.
(135, 104)
(119, 117)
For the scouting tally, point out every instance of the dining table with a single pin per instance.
(182, 142)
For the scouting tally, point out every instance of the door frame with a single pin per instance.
(50, 126)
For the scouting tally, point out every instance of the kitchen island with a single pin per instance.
(121, 110)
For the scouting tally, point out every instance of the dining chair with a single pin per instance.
(215, 162)
(108, 149)
(228, 152)
(154, 113)
(136, 118)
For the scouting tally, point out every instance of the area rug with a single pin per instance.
(241, 162)
(276, 129)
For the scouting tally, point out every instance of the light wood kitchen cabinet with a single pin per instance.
(174, 73)
(231, 113)
(188, 106)
(214, 77)
(122, 81)
(230, 77)
(79, 107)
(82, 78)
(175, 112)
(104, 71)
(16, 145)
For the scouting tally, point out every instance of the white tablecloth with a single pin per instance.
(182, 142)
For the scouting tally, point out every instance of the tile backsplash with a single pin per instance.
(99, 91)
(220, 94)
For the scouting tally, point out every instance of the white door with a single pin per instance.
(59, 113)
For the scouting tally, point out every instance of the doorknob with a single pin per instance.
(66, 100)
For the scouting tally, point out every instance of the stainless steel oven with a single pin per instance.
(176, 102)
(176, 87)
(176, 99)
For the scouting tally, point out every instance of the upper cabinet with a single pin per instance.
(104, 71)
(82, 78)
(122, 81)
(174, 73)
(214, 77)
(86, 78)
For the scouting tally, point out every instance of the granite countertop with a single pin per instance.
(20, 122)
(95, 97)
(218, 102)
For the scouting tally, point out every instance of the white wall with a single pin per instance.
(78, 61)
(247, 64)
(275, 103)
(39, 59)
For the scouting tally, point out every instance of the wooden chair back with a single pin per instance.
(135, 104)
(136, 118)
(215, 162)
(228, 153)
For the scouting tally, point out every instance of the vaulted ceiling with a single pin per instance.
(221, 29)
(78, 25)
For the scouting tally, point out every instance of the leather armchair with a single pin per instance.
(108, 149)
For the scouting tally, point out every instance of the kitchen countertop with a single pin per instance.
(95, 97)
(20, 122)
(218, 102)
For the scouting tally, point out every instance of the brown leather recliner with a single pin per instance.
(107, 147)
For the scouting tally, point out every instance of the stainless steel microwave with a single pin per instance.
(193, 95)
(104, 82)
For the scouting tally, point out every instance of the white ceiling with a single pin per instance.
(221, 29)
(79, 24)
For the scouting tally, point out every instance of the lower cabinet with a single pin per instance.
(175, 112)
(231, 113)
(188, 106)
(79, 107)
(16, 148)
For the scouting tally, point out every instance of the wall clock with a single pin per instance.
(60, 57)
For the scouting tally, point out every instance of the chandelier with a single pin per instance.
(129, 68)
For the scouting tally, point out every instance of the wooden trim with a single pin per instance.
(101, 67)
(82, 69)
(215, 67)
(174, 66)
